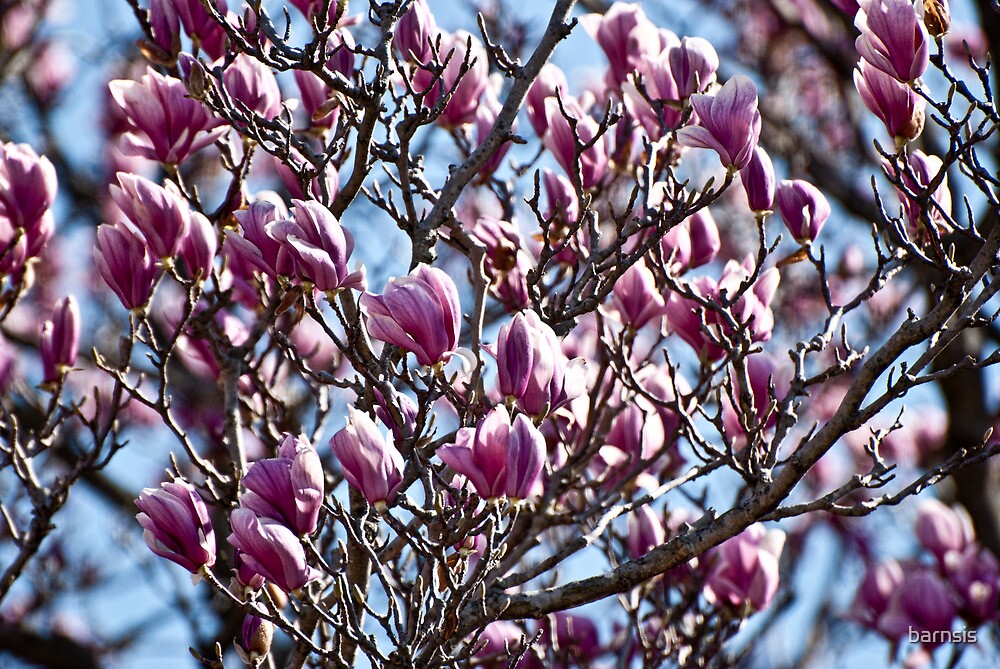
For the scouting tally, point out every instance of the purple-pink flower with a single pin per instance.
(161, 214)
(125, 264)
(320, 245)
(498, 458)
(532, 369)
(370, 464)
(176, 525)
(464, 101)
(289, 488)
(728, 123)
(27, 191)
(60, 340)
(893, 38)
(645, 531)
(271, 549)
(419, 313)
(899, 108)
(743, 571)
(165, 124)
(561, 140)
(804, 209)
(637, 298)
(758, 180)
(252, 85)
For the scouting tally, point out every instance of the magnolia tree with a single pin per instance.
(440, 336)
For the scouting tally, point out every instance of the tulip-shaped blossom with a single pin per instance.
(486, 117)
(166, 27)
(165, 124)
(645, 532)
(923, 603)
(974, 574)
(418, 313)
(252, 84)
(573, 634)
(758, 181)
(880, 584)
(637, 298)
(693, 63)
(925, 169)
(289, 488)
(461, 106)
(199, 247)
(705, 240)
(561, 140)
(497, 641)
(899, 108)
(625, 35)
(415, 33)
(507, 260)
(176, 525)
(498, 458)
(27, 190)
(125, 264)
(689, 319)
(532, 369)
(729, 122)
(943, 530)
(370, 464)
(551, 82)
(60, 340)
(161, 214)
(256, 249)
(271, 549)
(201, 27)
(254, 642)
(893, 38)
(744, 569)
(320, 245)
(804, 209)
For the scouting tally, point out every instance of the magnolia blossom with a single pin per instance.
(897, 105)
(464, 101)
(637, 298)
(419, 313)
(743, 571)
(320, 246)
(289, 488)
(370, 464)
(804, 209)
(125, 264)
(893, 38)
(165, 124)
(271, 549)
(728, 123)
(563, 141)
(498, 458)
(60, 340)
(176, 525)
(757, 177)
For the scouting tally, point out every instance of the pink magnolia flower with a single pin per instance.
(804, 209)
(893, 38)
(464, 101)
(165, 124)
(125, 264)
(370, 464)
(758, 180)
(563, 143)
(551, 82)
(925, 169)
(637, 298)
(419, 313)
(289, 488)
(320, 246)
(899, 108)
(252, 86)
(176, 525)
(625, 35)
(743, 570)
(498, 458)
(729, 122)
(60, 340)
(271, 550)
(27, 191)
(415, 33)
(943, 530)
(645, 531)
(161, 214)
(532, 369)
